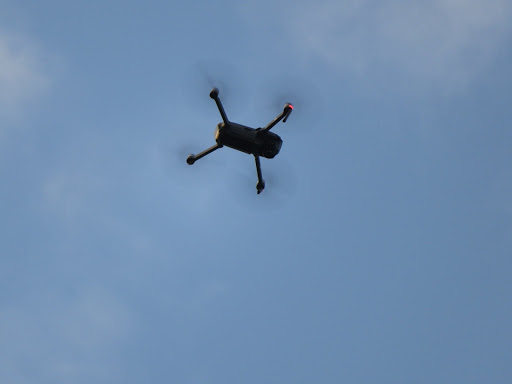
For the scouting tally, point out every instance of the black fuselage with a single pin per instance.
(257, 142)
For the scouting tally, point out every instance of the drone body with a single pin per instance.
(249, 140)
(254, 141)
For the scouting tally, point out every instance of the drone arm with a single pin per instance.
(214, 94)
(192, 158)
(288, 108)
(261, 184)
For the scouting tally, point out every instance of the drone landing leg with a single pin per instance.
(192, 158)
(261, 184)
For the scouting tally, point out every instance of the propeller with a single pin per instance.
(171, 158)
(306, 98)
(203, 77)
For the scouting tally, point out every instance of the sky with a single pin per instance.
(379, 252)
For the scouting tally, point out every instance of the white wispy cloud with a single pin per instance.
(23, 75)
(440, 43)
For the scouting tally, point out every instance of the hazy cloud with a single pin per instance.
(438, 43)
(65, 193)
(22, 74)
(64, 337)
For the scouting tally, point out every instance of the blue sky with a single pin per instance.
(378, 253)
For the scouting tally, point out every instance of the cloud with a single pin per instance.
(441, 43)
(65, 194)
(22, 74)
(77, 199)
(63, 338)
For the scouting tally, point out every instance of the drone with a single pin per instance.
(254, 141)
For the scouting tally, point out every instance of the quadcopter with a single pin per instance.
(254, 141)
